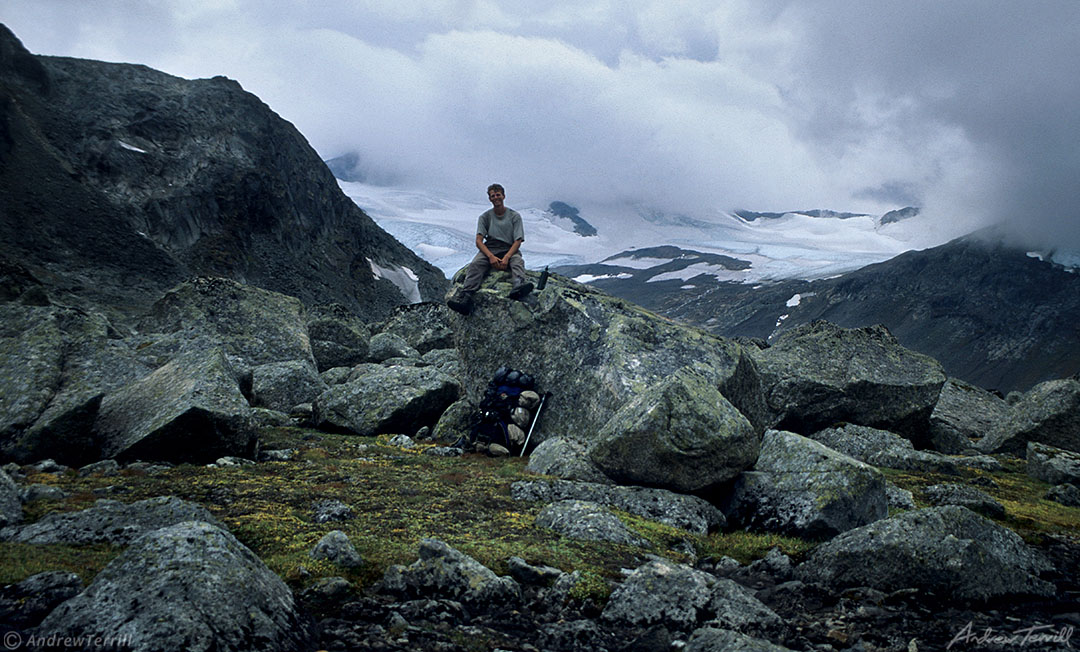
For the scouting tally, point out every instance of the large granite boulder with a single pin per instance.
(387, 400)
(594, 352)
(251, 325)
(424, 326)
(681, 434)
(679, 510)
(883, 449)
(443, 572)
(60, 364)
(801, 487)
(1049, 414)
(949, 551)
(338, 337)
(963, 414)
(189, 586)
(819, 374)
(282, 386)
(190, 410)
(1053, 465)
(567, 458)
(682, 599)
(109, 521)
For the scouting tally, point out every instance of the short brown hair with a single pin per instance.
(496, 186)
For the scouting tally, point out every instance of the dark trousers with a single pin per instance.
(480, 266)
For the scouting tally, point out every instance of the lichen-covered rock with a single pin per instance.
(189, 586)
(580, 519)
(387, 400)
(424, 326)
(681, 434)
(282, 386)
(963, 414)
(579, 342)
(455, 422)
(338, 337)
(443, 572)
(336, 547)
(93, 363)
(974, 499)
(251, 325)
(109, 521)
(945, 550)
(1067, 494)
(24, 604)
(683, 599)
(447, 361)
(1049, 414)
(678, 510)
(1052, 465)
(31, 357)
(190, 410)
(801, 487)
(566, 458)
(11, 511)
(385, 346)
(819, 374)
(883, 448)
(712, 639)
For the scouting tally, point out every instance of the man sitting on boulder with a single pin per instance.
(499, 234)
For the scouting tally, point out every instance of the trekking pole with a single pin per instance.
(543, 399)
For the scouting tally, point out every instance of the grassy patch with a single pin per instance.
(19, 561)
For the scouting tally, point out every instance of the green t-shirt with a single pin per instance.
(506, 228)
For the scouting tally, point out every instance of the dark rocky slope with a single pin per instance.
(992, 315)
(119, 181)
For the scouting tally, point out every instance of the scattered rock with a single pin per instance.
(338, 337)
(1052, 465)
(883, 448)
(337, 548)
(109, 521)
(389, 399)
(190, 410)
(970, 497)
(385, 346)
(283, 385)
(25, 604)
(187, 586)
(1049, 414)
(819, 374)
(681, 435)
(442, 572)
(679, 510)
(580, 519)
(11, 512)
(683, 599)
(1067, 494)
(711, 639)
(424, 326)
(801, 487)
(563, 457)
(944, 550)
(963, 414)
(332, 510)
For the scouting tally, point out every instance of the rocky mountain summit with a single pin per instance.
(120, 181)
(212, 463)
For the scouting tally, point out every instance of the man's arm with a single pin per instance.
(504, 262)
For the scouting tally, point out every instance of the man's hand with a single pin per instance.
(501, 263)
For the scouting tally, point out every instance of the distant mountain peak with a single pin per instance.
(751, 216)
(566, 211)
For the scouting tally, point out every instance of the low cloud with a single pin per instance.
(966, 108)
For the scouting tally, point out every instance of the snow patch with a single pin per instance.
(794, 301)
(132, 148)
(402, 277)
(589, 278)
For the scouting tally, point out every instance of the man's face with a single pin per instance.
(495, 196)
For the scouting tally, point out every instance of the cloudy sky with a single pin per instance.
(968, 108)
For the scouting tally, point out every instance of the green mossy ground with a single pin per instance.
(401, 496)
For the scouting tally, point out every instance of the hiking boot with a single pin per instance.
(460, 302)
(520, 291)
